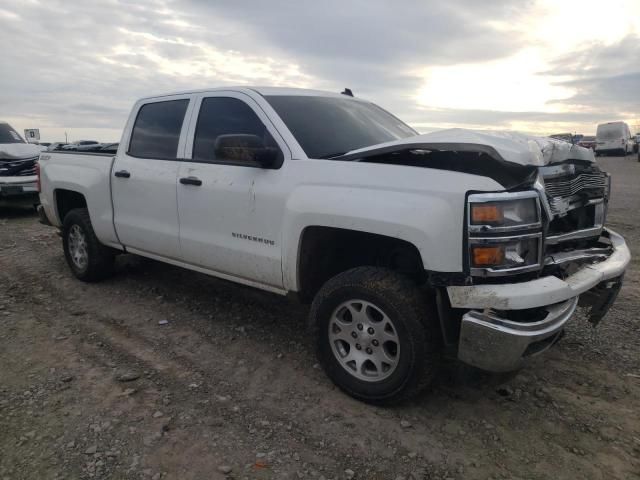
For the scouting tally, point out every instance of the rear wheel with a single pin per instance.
(376, 337)
(88, 259)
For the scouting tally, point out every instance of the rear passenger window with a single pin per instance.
(157, 130)
(227, 116)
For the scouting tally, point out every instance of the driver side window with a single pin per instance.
(221, 118)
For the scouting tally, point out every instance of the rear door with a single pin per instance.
(144, 176)
(231, 220)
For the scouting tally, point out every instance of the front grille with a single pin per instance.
(568, 187)
(565, 192)
(576, 219)
(577, 196)
(18, 168)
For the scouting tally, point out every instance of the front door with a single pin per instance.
(230, 209)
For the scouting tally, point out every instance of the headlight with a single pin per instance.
(500, 212)
(505, 233)
(505, 253)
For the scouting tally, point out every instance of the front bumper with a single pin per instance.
(492, 342)
(18, 186)
(497, 344)
(546, 290)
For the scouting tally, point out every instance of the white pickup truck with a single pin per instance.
(17, 168)
(411, 248)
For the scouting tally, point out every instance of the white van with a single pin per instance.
(613, 137)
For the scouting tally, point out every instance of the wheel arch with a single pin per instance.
(66, 200)
(325, 251)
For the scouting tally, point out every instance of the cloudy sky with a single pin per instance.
(540, 66)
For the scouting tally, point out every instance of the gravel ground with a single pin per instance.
(163, 373)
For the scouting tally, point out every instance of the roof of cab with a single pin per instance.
(265, 91)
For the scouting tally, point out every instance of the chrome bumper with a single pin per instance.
(18, 186)
(496, 344)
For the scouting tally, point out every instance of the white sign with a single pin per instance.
(32, 135)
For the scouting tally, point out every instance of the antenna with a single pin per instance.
(347, 92)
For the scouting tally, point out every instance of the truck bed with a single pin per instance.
(85, 173)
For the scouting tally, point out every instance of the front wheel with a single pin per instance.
(88, 259)
(376, 336)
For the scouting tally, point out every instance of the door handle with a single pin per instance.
(191, 181)
(122, 174)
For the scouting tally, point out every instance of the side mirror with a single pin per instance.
(246, 148)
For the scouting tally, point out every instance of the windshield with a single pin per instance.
(327, 127)
(610, 132)
(9, 135)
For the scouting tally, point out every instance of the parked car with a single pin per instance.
(99, 147)
(636, 142)
(80, 145)
(613, 137)
(56, 146)
(565, 137)
(109, 147)
(17, 168)
(588, 141)
(471, 245)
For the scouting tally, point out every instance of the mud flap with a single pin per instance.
(599, 299)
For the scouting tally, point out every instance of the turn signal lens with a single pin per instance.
(488, 256)
(486, 213)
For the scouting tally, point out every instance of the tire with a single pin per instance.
(89, 260)
(396, 315)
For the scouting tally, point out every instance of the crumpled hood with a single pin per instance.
(18, 151)
(513, 147)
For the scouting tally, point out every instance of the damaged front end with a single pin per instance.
(533, 252)
(577, 197)
(570, 260)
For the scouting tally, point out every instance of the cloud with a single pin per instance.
(377, 48)
(605, 78)
(80, 65)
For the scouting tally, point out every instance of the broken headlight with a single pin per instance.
(504, 233)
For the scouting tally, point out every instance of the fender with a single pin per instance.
(427, 212)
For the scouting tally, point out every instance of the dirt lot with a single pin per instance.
(230, 383)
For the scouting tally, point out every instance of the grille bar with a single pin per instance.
(18, 168)
(580, 182)
(577, 202)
